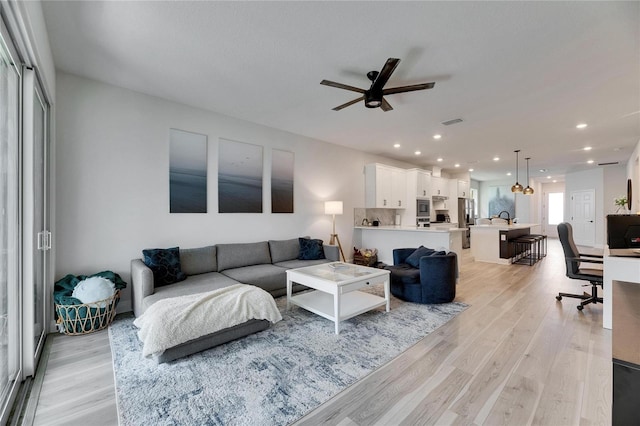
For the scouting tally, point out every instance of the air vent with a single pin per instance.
(454, 121)
(611, 163)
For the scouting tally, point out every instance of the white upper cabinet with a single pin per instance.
(463, 189)
(423, 188)
(439, 186)
(385, 187)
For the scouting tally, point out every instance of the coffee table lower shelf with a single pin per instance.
(351, 304)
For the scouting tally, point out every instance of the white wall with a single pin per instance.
(112, 180)
(633, 173)
(615, 186)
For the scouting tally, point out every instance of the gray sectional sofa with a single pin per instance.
(263, 264)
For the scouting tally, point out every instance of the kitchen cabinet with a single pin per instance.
(385, 187)
(423, 184)
(439, 186)
(463, 189)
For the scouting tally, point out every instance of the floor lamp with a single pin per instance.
(333, 208)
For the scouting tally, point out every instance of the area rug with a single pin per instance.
(273, 377)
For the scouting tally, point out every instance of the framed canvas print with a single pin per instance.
(239, 177)
(187, 172)
(501, 199)
(281, 181)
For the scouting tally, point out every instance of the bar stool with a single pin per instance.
(525, 250)
(542, 245)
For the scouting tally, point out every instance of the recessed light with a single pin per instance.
(417, 153)
(437, 136)
(456, 165)
(396, 145)
(470, 170)
(554, 181)
(496, 158)
(590, 161)
(508, 173)
(587, 148)
(440, 159)
(581, 126)
(543, 170)
(548, 177)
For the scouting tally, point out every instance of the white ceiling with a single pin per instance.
(520, 74)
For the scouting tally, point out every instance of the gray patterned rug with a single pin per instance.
(269, 378)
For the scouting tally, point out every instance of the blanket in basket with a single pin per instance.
(170, 322)
(79, 318)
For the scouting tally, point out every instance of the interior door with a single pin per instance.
(583, 217)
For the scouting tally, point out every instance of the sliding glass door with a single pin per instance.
(10, 277)
(36, 236)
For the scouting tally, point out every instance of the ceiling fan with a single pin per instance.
(373, 98)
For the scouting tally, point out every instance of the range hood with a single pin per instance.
(439, 197)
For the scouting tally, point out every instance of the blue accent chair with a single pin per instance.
(433, 282)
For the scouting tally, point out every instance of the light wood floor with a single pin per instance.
(516, 356)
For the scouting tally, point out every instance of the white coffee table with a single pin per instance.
(337, 297)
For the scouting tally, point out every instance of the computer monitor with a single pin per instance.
(623, 231)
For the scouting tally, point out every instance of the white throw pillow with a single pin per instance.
(94, 289)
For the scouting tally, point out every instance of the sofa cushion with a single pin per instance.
(165, 265)
(266, 276)
(295, 263)
(200, 283)
(310, 249)
(242, 254)
(414, 258)
(198, 260)
(282, 250)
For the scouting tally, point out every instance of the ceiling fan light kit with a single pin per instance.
(374, 97)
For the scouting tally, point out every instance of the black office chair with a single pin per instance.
(573, 260)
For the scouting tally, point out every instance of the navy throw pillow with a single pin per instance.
(310, 249)
(414, 258)
(165, 264)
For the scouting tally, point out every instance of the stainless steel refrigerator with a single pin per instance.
(465, 218)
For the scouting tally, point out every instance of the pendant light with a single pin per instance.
(528, 190)
(517, 187)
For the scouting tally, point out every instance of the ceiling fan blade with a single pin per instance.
(402, 89)
(341, 86)
(338, 108)
(385, 105)
(385, 73)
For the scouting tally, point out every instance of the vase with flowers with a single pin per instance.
(621, 203)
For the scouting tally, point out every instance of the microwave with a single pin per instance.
(423, 208)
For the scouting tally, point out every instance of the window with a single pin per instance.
(556, 208)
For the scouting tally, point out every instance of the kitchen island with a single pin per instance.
(387, 238)
(490, 243)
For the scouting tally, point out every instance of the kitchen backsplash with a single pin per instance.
(385, 216)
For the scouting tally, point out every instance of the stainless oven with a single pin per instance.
(423, 208)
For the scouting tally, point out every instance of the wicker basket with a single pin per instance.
(359, 259)
(86, 318)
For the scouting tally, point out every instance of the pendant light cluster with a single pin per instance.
(528, 190)
(517, 188)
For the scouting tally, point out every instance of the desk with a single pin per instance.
(621, 308)
(625, 269)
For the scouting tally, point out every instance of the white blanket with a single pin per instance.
(170, 322)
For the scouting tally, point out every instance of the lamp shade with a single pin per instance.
(333, 207)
